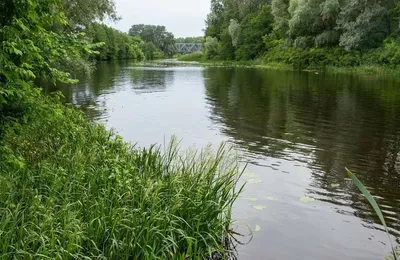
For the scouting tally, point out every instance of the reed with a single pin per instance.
(73, 190)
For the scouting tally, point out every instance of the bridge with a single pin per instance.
(188, 47)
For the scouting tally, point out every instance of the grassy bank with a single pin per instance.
(70, 189)
(301, 64)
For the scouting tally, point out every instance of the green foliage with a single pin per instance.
(246, 30)
(234, 31)
(30, 50)
(199, 39)
(363, 24)
(211, 47)
(320, 58)
(239, 27)
(85, 12)
(156, 34)
(197, 56)
(71, 189)
(279, 9)
(151, 52)
(255, 25)
(215, 19)
(395, 17)
(226, 51)
(117, 45)
(374, 205)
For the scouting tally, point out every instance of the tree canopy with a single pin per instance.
(156, 34)
(117, 45)
(39, 40)
(249, 29)
(199, 39)
(85, 12)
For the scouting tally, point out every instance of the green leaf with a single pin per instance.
(259, 207)
(271, 198)
(250, 174)
(251, 199)
(257, 229)
(254, 181)
(306, 199)
(373, 203)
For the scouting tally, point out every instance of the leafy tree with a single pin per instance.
(199, 39)
(234, 32)
(304, 18)
(30, 50)
(215, 19)
(226, 51)
(395, 15)
(85, 12)
(151, 52)
(156, 34)
(243, 28)
(363, 24)
(211, 47)
(239, 27)
(255, 26)
(279, 9)
(117, 45)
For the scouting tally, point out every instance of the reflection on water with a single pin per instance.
(326, 122)
(297, 131)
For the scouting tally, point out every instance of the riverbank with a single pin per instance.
(72, 189)
(260, 63)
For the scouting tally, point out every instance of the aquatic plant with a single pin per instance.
(374, 205)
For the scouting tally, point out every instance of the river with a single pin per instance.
(296, 130)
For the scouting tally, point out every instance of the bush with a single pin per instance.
(151, 52)
(197, 56)
(211, 47)
(313, 58)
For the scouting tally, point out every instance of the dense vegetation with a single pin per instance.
(305, 33)
(199, 39)
(117, 45)
(70, 189)
(157, 39)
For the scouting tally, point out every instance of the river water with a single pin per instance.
(296, 130)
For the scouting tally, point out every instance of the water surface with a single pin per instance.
(297, 130)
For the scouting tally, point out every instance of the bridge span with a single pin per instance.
(188, 47)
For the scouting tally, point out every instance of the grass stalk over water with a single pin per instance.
(374, 205)
(73, 190)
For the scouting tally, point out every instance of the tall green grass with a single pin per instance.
(374, 205)
(73, 190)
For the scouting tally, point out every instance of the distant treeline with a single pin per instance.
(142, 42)
(116, 44)
(199, 39)
(150, 44)
(305, 32)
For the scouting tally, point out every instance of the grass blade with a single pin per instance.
(374, 205)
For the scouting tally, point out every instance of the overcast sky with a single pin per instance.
(183, 18)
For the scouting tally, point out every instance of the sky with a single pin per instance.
(184, 18)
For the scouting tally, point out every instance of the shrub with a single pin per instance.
(197, 56)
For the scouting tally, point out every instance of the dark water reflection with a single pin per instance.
(297, 130)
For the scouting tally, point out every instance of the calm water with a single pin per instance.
(298, 131)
